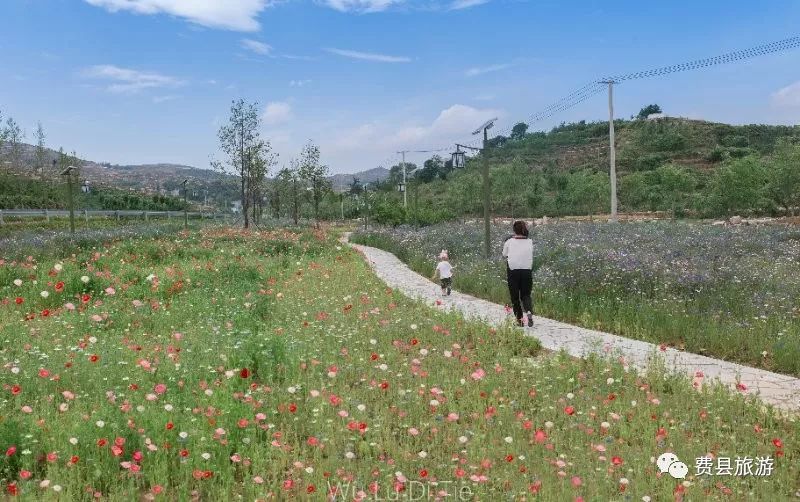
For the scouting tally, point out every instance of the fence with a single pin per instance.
(87, 213)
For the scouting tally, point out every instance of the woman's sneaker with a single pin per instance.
(530, 320)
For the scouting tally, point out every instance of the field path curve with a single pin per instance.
(782, 391)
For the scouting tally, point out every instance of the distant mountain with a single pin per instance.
(167, 178)
(341, 182)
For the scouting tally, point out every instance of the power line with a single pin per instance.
(580, 95)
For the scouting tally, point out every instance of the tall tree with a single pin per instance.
(315, 174)
(519, 130)
(262, 159)
(241, 142)
(14, 136)
(41, 152)
(648, 110)
(355, 186)
(293, 178)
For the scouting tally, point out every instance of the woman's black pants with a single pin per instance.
(520, 284)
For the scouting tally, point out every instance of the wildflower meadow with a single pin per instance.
(727, 292)
(224, 364)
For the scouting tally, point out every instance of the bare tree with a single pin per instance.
(41, 151)
(14, 136)
(315, 174)
(240, 141)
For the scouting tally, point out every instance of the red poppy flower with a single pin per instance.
(94, 358)
(616, 460)
(184, 453)
(60, 286)
(569, 410)
(423, 473)
(102, 442)
(85, 298)
(11, 489)
(170, 426)
(292, 408)
(11, 451)
(19, 300)
(74, 459)
(245, 373)
(509, 458)
(778, 443)
(311, 489)
(45, 312)
(16, 389)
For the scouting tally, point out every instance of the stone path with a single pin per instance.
(781, 391)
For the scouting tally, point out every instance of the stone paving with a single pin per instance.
(782, 391)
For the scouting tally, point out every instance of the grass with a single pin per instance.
(725, 293)
(223, 365)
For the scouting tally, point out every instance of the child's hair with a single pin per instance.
(521, 228)
(443, 255)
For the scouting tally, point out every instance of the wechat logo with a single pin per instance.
(669, 462)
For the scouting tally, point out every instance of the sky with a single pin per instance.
(146, 81)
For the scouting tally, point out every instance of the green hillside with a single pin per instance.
(681, 166)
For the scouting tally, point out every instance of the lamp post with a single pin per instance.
(68, 173)
(185, 207)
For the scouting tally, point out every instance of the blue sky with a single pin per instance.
(138, 81)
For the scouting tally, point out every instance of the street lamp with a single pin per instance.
(185, 207)
(487, 191)
(68, 173)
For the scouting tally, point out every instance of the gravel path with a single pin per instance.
(781, 391)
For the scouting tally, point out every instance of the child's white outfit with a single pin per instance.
(445, 271)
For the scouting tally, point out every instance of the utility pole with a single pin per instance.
(68, 173)
(612, 153)
(487, 191)
(405, 196)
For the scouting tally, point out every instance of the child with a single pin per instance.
(445, 272)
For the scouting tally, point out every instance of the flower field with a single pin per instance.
(731, 293)
(222, 365)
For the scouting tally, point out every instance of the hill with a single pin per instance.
(205, 186)
(341, 182)
(669, 164)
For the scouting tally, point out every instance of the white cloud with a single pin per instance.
(466, 4)
(455, 123)
(237, 15)
(474, 72)
(277, 112)
(125, 80)
(256, 46)
(787, 96)
(360, 5)
(299, 83)
(369, 56)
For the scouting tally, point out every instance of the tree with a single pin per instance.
(648, 110)
(292, 179)
(14, 136)
(519, 130)
(675, 184)
(315, 174)
(355, 186)
(263, 159)
(41, 151)
(783, 183)
(740, 186)
(241, 142)
(431, 169)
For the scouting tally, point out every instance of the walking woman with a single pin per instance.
(518, 252)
